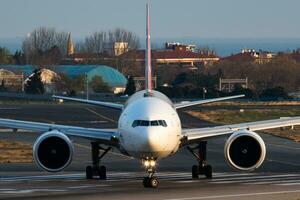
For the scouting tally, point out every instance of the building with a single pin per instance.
(113, 78)
(119, 48)
(177, 45)
(177, 56)
(251, 55)
(110, 51)
(70, 46)
(11, 81)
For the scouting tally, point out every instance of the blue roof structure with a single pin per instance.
(109, 75)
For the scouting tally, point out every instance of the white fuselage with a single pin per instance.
(149, 127)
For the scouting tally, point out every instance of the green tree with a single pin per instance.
(130, 86)
(72, 85)
(5, 57)
(98, 85)
(34, 84)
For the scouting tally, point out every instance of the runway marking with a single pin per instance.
(283, 162)
(288, 184)
(284, 146)
(87, 186)
(99, 115)
(273, 182)
(16, 108)
(238, 195)
(176, 177)
(31, 191)
(7, 189)
(242, 179)
(42, 177)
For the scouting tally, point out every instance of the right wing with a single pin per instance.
(107, 136)
(195, 134)
(98, 103)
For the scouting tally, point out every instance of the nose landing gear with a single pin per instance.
(202, 168)
(150, 181)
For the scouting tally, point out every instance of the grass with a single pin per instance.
(222, 116)
(15, 152)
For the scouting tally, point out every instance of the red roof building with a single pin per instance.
(176, 56)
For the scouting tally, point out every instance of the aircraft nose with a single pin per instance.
(154, 140)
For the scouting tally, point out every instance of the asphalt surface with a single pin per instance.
(278, 178)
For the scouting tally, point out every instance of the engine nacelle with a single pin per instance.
(53, 151)
(245, 150)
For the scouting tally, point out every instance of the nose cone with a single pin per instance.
(154, 140)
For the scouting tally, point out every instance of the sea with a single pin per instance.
(222, 46)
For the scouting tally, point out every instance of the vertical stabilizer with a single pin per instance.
(148, 71)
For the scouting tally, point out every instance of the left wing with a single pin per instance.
(194, 134)
(193, 103)
(98, 103)
(109, 136)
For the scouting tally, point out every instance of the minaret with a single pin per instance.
(70, 47)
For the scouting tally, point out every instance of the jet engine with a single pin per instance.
(245, 150)
(53, 151)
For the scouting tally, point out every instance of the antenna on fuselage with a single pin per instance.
(148, 71)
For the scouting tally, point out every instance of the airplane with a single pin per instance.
(149, 129)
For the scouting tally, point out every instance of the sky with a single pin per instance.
(169, 18)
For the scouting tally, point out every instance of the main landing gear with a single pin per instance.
(150, 181)
(96, 169)
(202, 168)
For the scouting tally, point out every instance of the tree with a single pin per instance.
(34, 84)
(40, 42)
(5, 57)
(19, 58)
(130, 86)
(101, 41)
(277, 92)
(98, 85)
(2, 86)
(72, 85)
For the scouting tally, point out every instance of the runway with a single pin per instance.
(278, 178)
(173, 185)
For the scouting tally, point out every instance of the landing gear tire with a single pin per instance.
(102, 173)
(202, 168)
(96, 169)
(89, 172)
(150, 182)
(153, 182)
(146, 182)
(208, 171)
(195, 172)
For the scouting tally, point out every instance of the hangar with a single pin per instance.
(112, 77)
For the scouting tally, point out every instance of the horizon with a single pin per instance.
(222, 46)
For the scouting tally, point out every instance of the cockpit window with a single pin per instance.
(154, 123)
(135, 123)
(144, 123)
(149, 123)
(162, 123)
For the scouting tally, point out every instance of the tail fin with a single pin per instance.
(148, 70)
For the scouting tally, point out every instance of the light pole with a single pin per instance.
(87, 86)
(204, 92)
